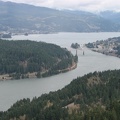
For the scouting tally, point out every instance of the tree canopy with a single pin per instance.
(95, 96)
(17, 58)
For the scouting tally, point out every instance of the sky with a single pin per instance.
(85, 5)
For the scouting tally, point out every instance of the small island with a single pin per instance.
(75, 45)
(26, 34)
(29, 59)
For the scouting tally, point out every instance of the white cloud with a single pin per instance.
(88, 5)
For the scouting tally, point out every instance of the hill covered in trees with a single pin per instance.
(24, 58)
(95, 96)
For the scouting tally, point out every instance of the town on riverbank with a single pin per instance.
(111, 46)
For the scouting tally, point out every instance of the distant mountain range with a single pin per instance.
(111, 15)
(16, 17)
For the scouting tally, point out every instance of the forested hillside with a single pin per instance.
(95, 96)
(18, 58)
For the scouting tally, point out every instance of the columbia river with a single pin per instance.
(13, 90)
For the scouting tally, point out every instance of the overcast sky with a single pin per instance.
(87, 5)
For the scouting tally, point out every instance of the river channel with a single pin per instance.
(13, 90)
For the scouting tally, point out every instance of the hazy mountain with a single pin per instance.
(23, 17)
(111, 15)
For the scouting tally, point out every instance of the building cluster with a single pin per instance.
(109, 46)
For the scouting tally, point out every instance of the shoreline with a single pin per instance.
(74, 65)
(104, 53)
(5, 77)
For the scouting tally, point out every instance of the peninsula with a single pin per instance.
(28, 59)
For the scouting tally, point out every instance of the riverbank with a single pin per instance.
(34, 74)
(73, 66)
(105, 52)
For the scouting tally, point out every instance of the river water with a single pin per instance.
(13, 90)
